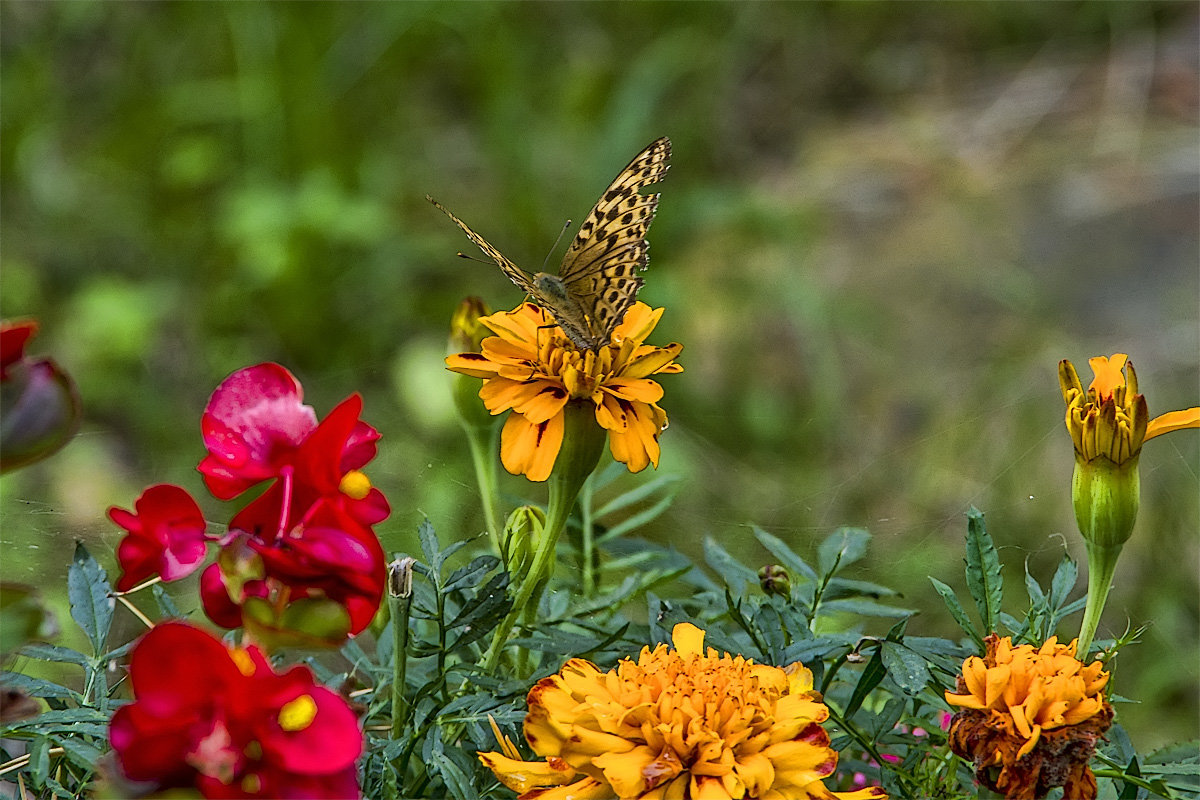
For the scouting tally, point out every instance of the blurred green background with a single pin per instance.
(884, 226)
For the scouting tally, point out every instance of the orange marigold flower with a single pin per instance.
(677, 723)
(1034, 713)
(532, 368)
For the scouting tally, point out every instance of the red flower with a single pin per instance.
(253, 422)
(39, 404)
(223, 722)
(165, 536)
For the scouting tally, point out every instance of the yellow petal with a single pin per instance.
(473, 364)
(521, 776)
(1109, 375)
(1173, 421)
(528, 449)
(688, 639)
(586, 789)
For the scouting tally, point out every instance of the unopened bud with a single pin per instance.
(774, 579)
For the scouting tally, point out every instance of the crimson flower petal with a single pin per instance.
(253, 422)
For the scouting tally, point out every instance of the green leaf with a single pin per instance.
(637, 495)
(53, 652)
(78, 751)
(983, 570)
(37, 687)
(429, 546)
(787, 557)
(165, 604)
(1063, 582)
(908, 669)
(956, 610)
(471, 574)
(867, 681)
(735, 574)
(39, 760)
(841, 548)
(636, 521)
(866, 608)
(91, 598)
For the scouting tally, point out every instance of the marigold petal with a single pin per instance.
(521, 776)
(586, 789)
(688, 639)
(1026, 748)
(626, 772)
(544, 404)
(1173, 421)
(642, 390)
(473, 364)
(656, 360)
(586, 744)
(530, 449)
(501, 394)
(639, 322)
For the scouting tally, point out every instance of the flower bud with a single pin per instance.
(522, 531)
(775, 580)
(466, 337)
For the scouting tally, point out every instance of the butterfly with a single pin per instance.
(598, 279)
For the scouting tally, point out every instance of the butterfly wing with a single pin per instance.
(600, 268)
(514, 273)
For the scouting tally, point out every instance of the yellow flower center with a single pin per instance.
(298, 714)
(355, 485)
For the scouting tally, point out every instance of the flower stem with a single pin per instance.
(399, 604)
(1102, 564)
(583, 442)
(588, 540)
(483, 443)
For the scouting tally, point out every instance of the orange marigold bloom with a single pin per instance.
(1033, 712)
(532, 368)
(677, 723)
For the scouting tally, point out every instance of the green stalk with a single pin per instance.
(399, 604)
(483, 443)
(583, 442)
(1102, 565)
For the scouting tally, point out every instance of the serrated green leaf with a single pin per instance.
(906, 668)
(1063, 582)
(39, 760)
(36, 687)
(867, 681)
(637, 495)
(53, 652)
(956, 610)
(735, 574)
(457, 781)
(788, 558)
(841, 548)
(983, 570)
(90, 596)
(79, 752)
(430, 547)
(471, 574)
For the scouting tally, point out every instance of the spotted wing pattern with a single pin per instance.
(600, 268)
(598, 280)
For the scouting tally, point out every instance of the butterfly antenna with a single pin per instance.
(461, 254)
(555, 246)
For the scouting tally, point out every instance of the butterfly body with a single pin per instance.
(598, 280)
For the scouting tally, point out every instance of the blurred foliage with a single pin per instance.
(884, 226)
